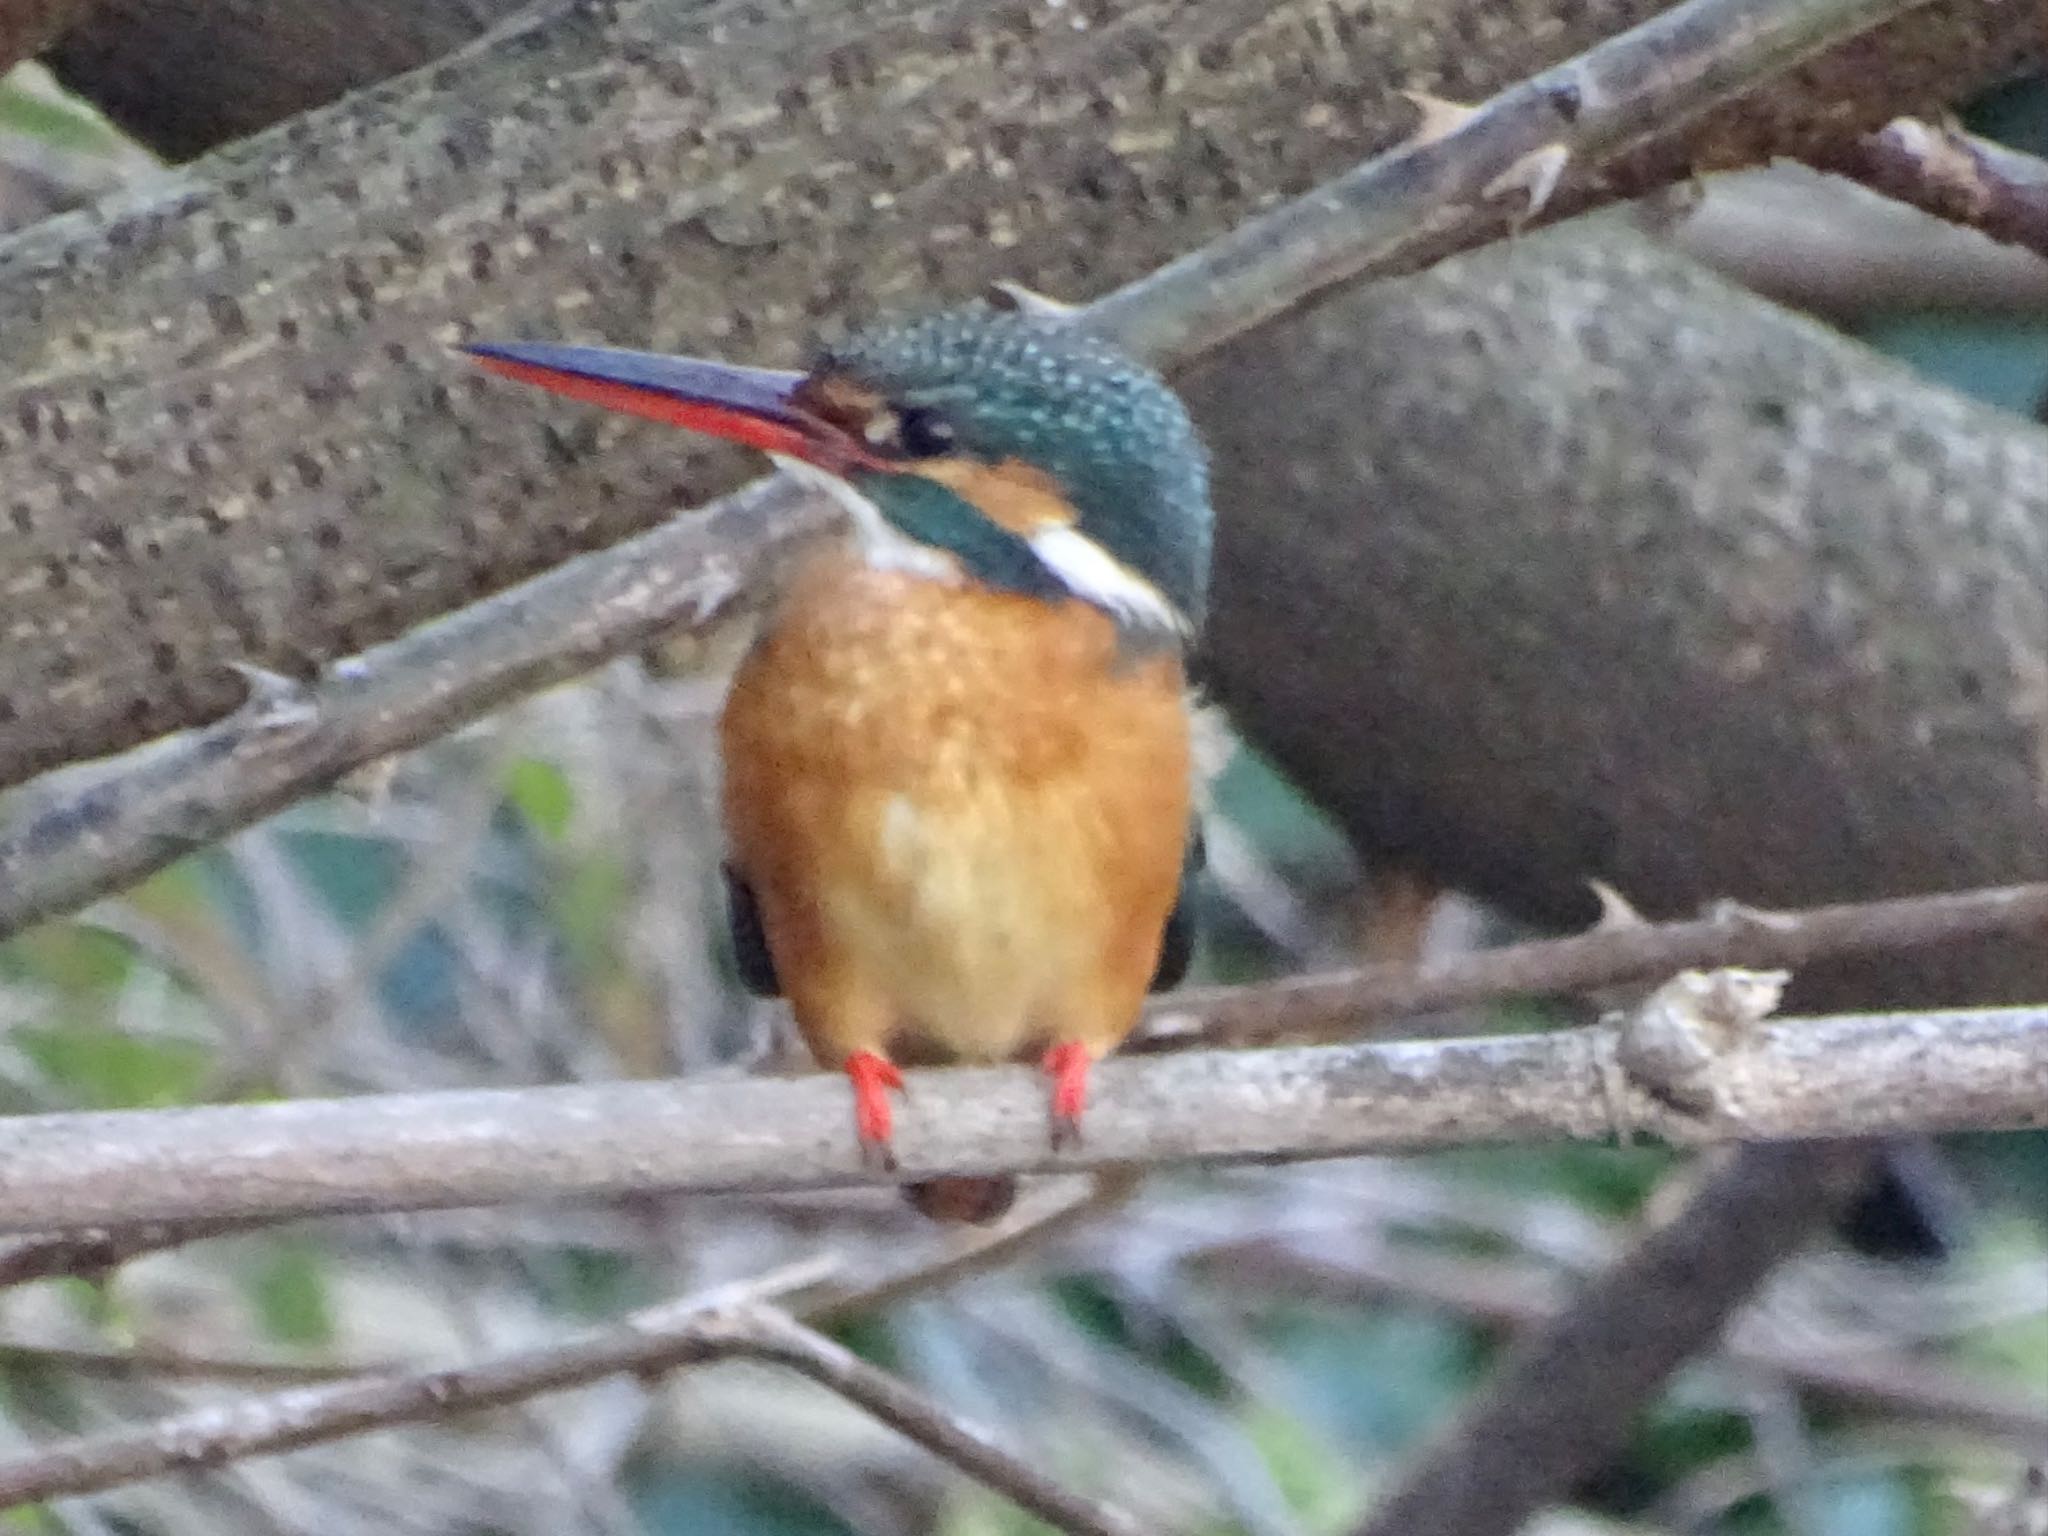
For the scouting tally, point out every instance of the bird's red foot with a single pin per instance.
(874, 1076)
(1067, 1065)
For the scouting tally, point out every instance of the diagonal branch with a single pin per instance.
(1842, 1076)
(125, 821)
(1951, 174)
(1522, 1298)
(1568, 1394)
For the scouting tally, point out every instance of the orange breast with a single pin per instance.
(962, 812)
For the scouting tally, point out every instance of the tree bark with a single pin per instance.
(233, 434)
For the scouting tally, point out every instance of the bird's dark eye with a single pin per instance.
(923, 433)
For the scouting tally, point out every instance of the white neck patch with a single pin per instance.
(1096, 576)
(1083, 567)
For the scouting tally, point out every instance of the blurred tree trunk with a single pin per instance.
(1569, 560)
(185, 75)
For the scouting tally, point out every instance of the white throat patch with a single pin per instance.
(1096, 576)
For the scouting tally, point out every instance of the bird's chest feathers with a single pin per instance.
(967, 778)
(946, 691)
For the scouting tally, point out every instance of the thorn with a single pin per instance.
(369, 784)
(274, 702)
(1536, 174)
(1440, 118)
(1015, 298)
(1616, 910)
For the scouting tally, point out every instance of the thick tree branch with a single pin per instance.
(1846, 1076)
(1689, 630)
(284, 743)
(1522, 1297)
(1567, 1396)
(316, 482)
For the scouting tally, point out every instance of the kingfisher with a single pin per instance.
(958, 760)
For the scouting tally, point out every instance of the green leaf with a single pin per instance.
(542, 794)
(586, 903)
(57, 122)
(75, 959)
(289, 1289)
(101, 1068)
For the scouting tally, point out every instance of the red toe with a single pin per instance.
(874, 1076)
(1067, 1064)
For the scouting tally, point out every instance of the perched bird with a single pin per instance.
(957, 760)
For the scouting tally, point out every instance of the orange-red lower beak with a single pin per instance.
(755, 406)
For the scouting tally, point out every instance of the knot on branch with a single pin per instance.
(1677, 1043)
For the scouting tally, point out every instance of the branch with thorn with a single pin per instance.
(1951, 174)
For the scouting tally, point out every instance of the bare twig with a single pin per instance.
(647, 1343)
(84, 1252)
(1953, 175)
(772, 1336)
(1312, 1007)
(1602, 103)
(1841, 1076)
(152, 1361)
(136, 815)
(1524, 1297)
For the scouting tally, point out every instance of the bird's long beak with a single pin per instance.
(754, 406)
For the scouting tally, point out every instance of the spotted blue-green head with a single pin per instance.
(980, 443)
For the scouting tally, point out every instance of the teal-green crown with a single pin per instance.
(1010, 386)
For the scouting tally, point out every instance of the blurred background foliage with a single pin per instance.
(1244, 1351)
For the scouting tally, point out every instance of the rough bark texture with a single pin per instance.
(233, 434)
(1616, 571)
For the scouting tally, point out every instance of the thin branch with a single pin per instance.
(1953, 175)
(1842, 1076)
(86, 1252)
(769, 1335)
(151, 1361)
(1514, 149)
(1323, 1006)
(84, 838)
(645, 1344)
(1522, 1297)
